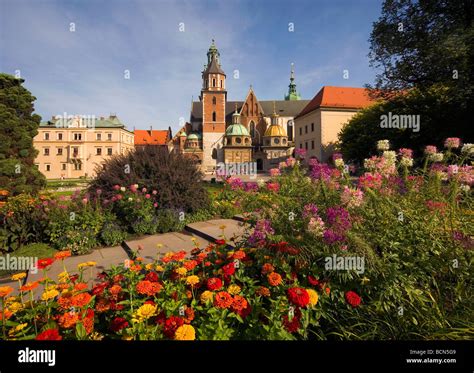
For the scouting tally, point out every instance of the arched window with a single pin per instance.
(207, 83)
(289, 130)
(213, 116)
(213, 82)
(252, 129)
(256, 109)
(222, 84)
(214, 100)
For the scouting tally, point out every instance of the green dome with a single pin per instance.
(236, 130)
(193, 136)
(183, 134)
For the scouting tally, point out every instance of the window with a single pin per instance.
(60, 136)
(214, 100)
(252, 129)
(301, 131)
(289, 130)
(98, 136)
(75, 151)
(222, 84)
(213, 82)
(78, 166)
(301, 145)
(46, 151)
(312, 127)
(77, 136)
(276, 141)
(109, 136)
(109, 151)
(305, 129)
(48, 167)
(63, 166)
(283, 141)
(238, 140)
(214, 116)
(98, 151)
(306, 145)
(46, 135)
(60, 151)
(312, 144)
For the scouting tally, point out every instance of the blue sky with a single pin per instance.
(82, 72)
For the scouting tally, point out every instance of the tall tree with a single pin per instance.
(18, 127)
(424, 43)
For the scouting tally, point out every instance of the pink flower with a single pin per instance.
(453, 169)
(274, 187)
(98, 192)
(452, 142)
(147, 196)
(143, 190)
(430, 149)
(133, 188)
(63, 207)
(154, 192)
(352, 197)
(155, 205)
(405, 152)
(290, 162)
(84, 201)
(45, 203)
(274, 172)
(119, 197)
(116, 187)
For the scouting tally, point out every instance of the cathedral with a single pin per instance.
(233, 132)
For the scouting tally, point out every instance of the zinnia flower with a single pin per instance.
(313, 297)
(62, 255)
(118, 324)
(171, 325)
(192, 280)
(50, 294)
(44, 263)
(185, 333)
(145, 312)
(149, 288)
(234, 289)
(214, 283)
(206, 296)
(353, 298)
(298, 296)
(452, 142)
(223, 300)
(49, 335)
(274, 279)
(81, 300)
(18, 276)
(263, 291)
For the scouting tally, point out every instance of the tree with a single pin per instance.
(18, 127)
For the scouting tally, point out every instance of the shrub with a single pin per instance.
(112, 234)
(175, 177)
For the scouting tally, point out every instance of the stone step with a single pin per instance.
(213, 230)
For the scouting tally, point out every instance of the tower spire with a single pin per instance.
(292, 93)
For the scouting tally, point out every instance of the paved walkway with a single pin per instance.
(199, 234)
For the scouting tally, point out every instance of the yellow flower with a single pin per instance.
(145, 312)
(159, 245)
(181, 271)
(86, 264)
(223, 227)
(49, 294)
(230, 253)
(192, 280)
(63, 277)
(18, 276)
(159, 268)
(149, 266)
(91, 264)
(313, 296)
(206, 295)
(15, 307)
(185, 333)
(233, 289)
(365, 280)
(17, 329)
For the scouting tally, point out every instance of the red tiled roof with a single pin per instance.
(338, 97)
(151, 137)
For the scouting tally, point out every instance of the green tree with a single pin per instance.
(18, 127)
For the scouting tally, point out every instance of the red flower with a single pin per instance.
(214, 283)
(353, 298)
(229, 269)
(220, 242)
(294, 324)
(171, 324)
(149, 288)
(45, 262)
(298, 296)
(223, 300)
(118, 324)
(313, 280)
(49, 335)
(151, 276)
(240, 306)
(99, 288)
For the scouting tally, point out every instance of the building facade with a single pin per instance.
(207, 138)
(319, 123)
(73, 147)
(152, 138)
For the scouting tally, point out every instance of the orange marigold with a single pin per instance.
(64, 301)
(274, 279)
(30, 286)
(80, 286)
(190, 264)
(223, 299)
(7, 313)
(239, 303)
(102, 305)
(68, 320)
(81, 300)
(149, 288)
(267, 268)
(5, 290)
(263, 291)
(239, 254)
(115, 290)
(62, 255)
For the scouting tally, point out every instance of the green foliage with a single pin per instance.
(176, 177)
(112, 234)
(18, 126)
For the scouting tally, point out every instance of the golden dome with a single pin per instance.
(275, 130)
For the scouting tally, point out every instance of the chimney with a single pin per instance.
(151, 129)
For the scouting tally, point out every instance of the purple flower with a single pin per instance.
(262, 229)
(251, 187)
(321, 171)
(330, 236)
(336, 156)
(312, 162)
(98, 192)
(300, 153)
(310, 210)
(339, 218)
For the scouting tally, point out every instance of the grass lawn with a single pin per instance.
(38, 250)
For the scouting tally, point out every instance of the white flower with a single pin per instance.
(339, 163)
(122, 189)
(261, 183)
(390, 156)
(130, 198)
(436, 157)
(465, 188)
(467, 149)
(383, 145)
(407, 162)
